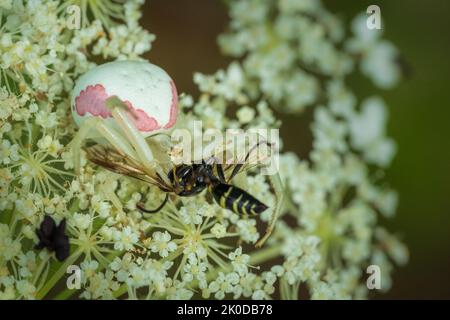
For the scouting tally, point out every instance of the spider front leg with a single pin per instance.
(140, 145)
(97, 127)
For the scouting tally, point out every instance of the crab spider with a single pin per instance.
(125, 102)
(127, 141)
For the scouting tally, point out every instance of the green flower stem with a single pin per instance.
(65, 294)
(256, 258)
(58, 274)
(284, 291)
(40, 268)
(264, 255)
(121, 291)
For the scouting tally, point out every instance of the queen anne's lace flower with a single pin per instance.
(288, 55)
(162, 244)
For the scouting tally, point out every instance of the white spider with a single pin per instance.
(125, 102)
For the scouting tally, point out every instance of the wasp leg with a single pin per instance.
(220, 173)
(239, 166)
(140, 206)
(235, 171)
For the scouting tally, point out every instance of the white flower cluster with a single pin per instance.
(294, 49)
(291, 56)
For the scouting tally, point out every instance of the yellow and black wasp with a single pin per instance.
(190, 180)
(185, 179)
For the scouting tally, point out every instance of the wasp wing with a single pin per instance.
(114, 161)
(255, 157)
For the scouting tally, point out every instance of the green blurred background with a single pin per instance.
(186, 33)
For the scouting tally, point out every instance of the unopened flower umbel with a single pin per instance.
(63, 90)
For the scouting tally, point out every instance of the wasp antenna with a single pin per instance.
(140, 206)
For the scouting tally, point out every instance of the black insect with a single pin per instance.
(190, 180)
(53, 237)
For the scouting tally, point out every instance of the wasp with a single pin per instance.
(186, 180)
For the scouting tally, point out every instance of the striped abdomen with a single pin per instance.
(236, 199)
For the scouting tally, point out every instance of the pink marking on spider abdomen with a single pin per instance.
(173, 106)
(93, 100)
(141, 120)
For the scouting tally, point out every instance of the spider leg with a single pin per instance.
(142, 148)
(106, 131)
